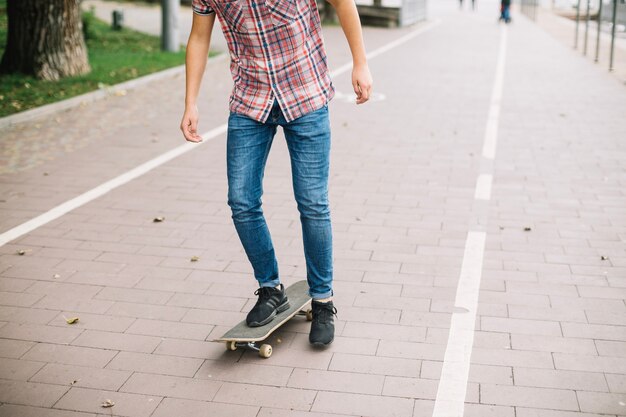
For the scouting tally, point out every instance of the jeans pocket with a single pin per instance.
(282, 12)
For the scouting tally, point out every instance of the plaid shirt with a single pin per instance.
(276, 52)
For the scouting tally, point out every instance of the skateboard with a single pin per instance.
(246, 337)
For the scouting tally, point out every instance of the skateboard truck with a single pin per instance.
(264, 349)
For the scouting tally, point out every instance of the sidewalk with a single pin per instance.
(147, 18)
(564, 30)
(550, 330)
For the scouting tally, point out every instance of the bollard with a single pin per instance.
(586, 28)
(577, 21)
(170, 32)
(599, 20)
(117, 22)
(613, 35)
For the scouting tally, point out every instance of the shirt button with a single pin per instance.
(260, 25)
(253, 5)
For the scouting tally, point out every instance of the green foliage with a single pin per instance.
(115, 56)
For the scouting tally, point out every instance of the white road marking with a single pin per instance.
(483, 187)
(450, 400)
(138, 171)
(491, 134)
(104, 188)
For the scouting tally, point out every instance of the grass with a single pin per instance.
(115, 56)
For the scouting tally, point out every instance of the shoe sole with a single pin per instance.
(320, 344)
(279, 309)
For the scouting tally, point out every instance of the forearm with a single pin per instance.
(195, 60)
(351, 24)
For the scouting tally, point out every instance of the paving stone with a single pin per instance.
(602, 403)
(375, 365)
(18, 370)
(170, 329)
(81, 376)
(532, 327)
(553, 344)
(174, 406)
(30, 393)
(10, 348)
(90, 400)
(529, 397)
(71, 355)
(117, 341)
(336, 381)
(227, 371)
(264, 396)
(171, 386)
(12, 410)
(589, 363)
(39, 333)
(362, 405)
(155, 364)
(579, 381)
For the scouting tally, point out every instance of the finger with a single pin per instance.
(357, 89)
(189, 135)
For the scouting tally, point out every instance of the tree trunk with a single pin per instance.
(45, 39)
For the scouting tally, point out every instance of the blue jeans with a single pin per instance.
(308, 140)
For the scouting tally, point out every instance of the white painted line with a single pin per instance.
(450, 400)
(491, 133)
(391, 45)
(483, 187)
(102, 189)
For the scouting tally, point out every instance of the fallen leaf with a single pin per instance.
(527, 229)
(73, 382)
(195, 258)
(279, 340)
(71, 320)
(158, 219)
(107, 404)
(604, 258)
(56, 276)
(120, 93)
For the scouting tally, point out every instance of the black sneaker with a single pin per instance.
(323, 324)
(271, 302)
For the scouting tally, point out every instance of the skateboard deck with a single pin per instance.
(244, 336)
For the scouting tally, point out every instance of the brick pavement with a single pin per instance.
(550, 336)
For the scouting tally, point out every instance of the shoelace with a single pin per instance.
(264, 293)
(324, 313)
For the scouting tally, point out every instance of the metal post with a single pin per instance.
(169, 25)
(577, 20)
(599, 21)
(613, 35)
(586, 28)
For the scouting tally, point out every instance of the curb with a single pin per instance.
(96, 95)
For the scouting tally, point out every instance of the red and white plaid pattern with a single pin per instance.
(277, 52)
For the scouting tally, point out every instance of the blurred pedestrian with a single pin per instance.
(505, 10)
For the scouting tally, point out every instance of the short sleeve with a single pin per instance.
(201, 7)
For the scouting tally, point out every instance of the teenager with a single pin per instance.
(281, 78)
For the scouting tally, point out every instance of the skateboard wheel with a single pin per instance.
(231, 345)
(309, 315)
(265, 351)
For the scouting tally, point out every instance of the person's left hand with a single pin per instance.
(362, 83)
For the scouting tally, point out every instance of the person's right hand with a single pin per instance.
(189, 125)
